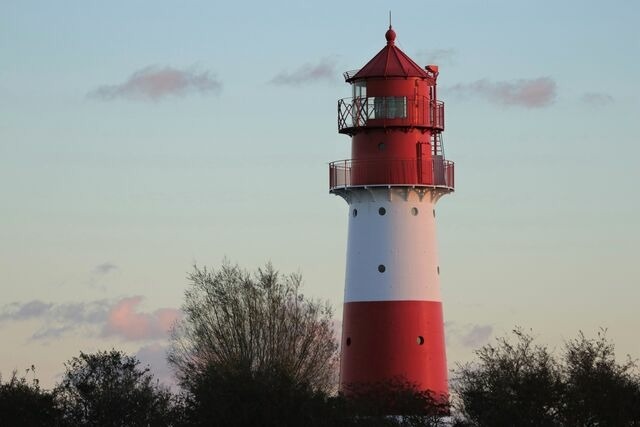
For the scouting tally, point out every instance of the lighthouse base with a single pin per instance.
(394, 341)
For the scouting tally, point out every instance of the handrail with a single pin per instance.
(433, 172)
(358, 112)
(349, 74)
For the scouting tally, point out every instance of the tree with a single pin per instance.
(110, 389)
(246, 398)
(251, 346)
(371, 405)
(523, 383)
(599, 391)
(510, 384)
(24, 403)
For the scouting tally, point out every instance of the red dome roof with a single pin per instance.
(390, 62)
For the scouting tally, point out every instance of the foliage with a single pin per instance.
(598, 390)
(372, 404)
(245, 398)
(110, 389)
(24, 403)
(524, 384)
(252, 350)
(506, 384)
(235, 322)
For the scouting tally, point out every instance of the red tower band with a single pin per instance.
(393, 323)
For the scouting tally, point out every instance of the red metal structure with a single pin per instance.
(393, 323)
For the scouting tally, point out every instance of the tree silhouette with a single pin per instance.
(23, 403)
(523, 384)
(110, 389)
(252, 348)
(598, 390)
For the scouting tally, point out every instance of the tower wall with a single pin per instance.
(393, 312)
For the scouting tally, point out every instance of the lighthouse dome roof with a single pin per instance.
(389, 62)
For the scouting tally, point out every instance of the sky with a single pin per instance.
(140, 138)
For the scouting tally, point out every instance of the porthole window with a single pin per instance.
(348, 341)
(438, 269)
(381, 146)
(382, 268)
(420, 340)
(434, 213)
(382, 211)
(414, 211)
(355, 212)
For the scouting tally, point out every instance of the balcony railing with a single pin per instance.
(435, 172)
(381, 111)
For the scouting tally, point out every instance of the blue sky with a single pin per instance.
(111, 192)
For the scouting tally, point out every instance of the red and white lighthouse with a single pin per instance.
(393, 324)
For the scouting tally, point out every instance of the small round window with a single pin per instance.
(348, 341)
(414, 211)
(382, 211)
(438, 269)
(382, 268)
(420, 340)
(355, 212)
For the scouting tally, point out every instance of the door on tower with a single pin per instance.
(425, 169)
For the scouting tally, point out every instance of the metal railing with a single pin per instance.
(349, 74)
(373, 111)
(434, 172)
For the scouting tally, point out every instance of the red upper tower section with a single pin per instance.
(395, 122)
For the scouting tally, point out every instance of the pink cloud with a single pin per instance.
(323, 70)
(124, 320)
(153, 83)
(532, 93)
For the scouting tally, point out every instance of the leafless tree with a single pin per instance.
(235, 321)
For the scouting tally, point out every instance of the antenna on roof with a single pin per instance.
(389, 19)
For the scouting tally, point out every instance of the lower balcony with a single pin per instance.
(435, 172)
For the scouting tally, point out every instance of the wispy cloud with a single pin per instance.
(126, 321)
(84, 312)
(51, 332)
(477, 336)
(154, 83)
(119, 318)
(26, 311)
(533, 93)
(325, 69)
(56, 319)
(597, 98)
(104, 268)
(468, 335)
(436, 56)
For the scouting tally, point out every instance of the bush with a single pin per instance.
(24, 403)
(524, 384)
(110, 389)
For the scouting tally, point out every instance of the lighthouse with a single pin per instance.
(393, 325)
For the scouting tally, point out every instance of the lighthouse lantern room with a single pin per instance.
(393, 323)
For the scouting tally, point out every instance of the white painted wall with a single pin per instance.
(404, 243)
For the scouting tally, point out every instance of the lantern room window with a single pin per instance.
(389, 107)
(360, 89)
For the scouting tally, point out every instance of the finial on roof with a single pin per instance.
(390, 35)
